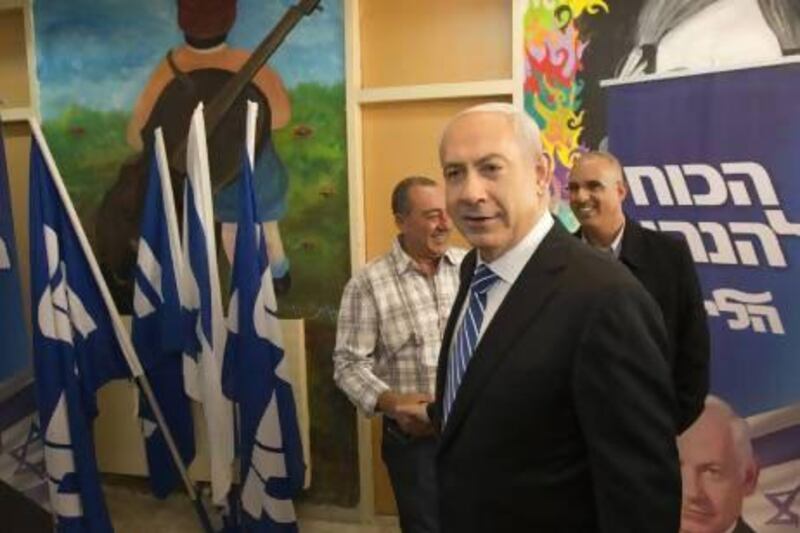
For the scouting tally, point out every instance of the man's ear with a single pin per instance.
(399, 221)
(751, 478)
(544, 172)
(622, 188)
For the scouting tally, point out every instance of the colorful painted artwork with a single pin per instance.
(571, 45)
(96, 60)
(553, 90)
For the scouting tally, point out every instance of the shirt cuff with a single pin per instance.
(369, 400)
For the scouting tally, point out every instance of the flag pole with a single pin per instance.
(122, 334)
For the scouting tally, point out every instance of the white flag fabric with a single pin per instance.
(202, 305)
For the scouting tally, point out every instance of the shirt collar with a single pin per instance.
(510, 264)
(404, 262)
(616, 244)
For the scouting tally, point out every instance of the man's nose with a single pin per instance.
(444, 221)
(473, 190)
(692, 486)
(578, 194)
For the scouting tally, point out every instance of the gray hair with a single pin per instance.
(525, 128)
(740, 431)
(608, 157)
(400, 201)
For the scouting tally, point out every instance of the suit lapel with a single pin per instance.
(533, 288)
(632, 252)
(467, 268)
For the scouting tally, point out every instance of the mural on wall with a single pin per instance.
(570, 45)
(110, 72)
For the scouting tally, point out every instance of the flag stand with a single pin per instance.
(121, 333)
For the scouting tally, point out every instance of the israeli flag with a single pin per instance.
(157, 330)
(78, 344)
(774, 507)
(204, 343)
(256, 376)
(13, 336)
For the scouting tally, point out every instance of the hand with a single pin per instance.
(408, 410)
(413, 419)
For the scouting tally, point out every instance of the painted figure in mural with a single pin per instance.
(718, 470)
(548, 416)
(661, 262)
(390, 327)
(192, 72)
(205, 24)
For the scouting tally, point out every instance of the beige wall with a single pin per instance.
(18, 145)
(14, 86)
(15, 95)
(414, 42)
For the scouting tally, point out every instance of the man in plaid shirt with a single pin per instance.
(390, 328)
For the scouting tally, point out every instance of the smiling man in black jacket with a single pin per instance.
(660, 262)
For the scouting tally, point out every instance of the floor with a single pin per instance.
(134, 510)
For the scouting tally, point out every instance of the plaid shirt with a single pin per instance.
(390, 327)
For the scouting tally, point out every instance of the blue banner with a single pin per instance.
(716, 158)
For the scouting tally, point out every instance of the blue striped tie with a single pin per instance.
(467, 337)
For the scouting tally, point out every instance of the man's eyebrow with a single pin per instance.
(433, 210)
(480, 160)
(487, 157)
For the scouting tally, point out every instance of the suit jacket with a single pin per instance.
(742, 527)
(564, 419)
(664, 265)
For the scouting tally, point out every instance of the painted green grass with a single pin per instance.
(89, 147)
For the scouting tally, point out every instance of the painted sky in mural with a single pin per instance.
(111, 77)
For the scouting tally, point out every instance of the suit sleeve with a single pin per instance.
(692, 345)
(627, 412)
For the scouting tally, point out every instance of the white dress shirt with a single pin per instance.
(507, 267)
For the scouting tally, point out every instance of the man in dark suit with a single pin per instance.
(659, 261)
(553, 398)
(719, 470)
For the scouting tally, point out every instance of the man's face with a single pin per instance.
(426, 226)
(714, 480)
(596, 192)
(495, 188)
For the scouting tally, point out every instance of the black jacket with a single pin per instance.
(564, 419)
(663, 264)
